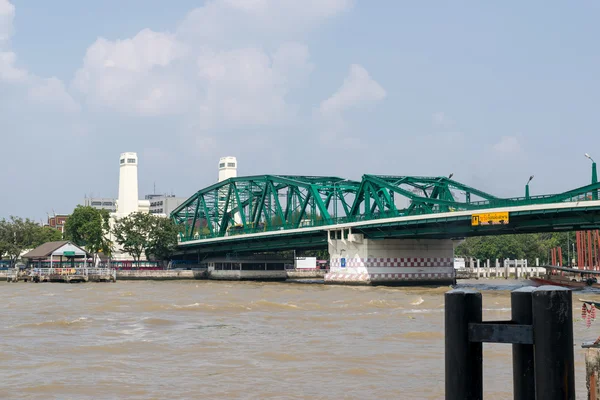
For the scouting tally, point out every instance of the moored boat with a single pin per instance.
(569, 277)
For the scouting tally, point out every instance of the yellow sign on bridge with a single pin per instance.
(495, 218)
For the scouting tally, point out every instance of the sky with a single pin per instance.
(492, 92)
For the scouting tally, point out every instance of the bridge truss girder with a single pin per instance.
(258, 203)
(272, 202)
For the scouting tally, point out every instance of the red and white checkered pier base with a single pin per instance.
(359, 261)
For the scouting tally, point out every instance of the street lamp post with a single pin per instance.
(527, 188)
(594, 176)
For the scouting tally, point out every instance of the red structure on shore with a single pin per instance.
(588, 246)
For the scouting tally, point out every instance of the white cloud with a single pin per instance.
(441, 119)
(133, 75)
(39, 90)
(359, 89)
(508, 145)
(194, 72)
(8, 71)
(7, 14)
(52, 92)
(248, 85)
(240, 22)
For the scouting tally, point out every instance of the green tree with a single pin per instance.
(89, 228)
(133, 233)
(17, 235)
(162, 240)
(528, 246)
(45, 234)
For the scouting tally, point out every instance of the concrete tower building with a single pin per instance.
(128, 201)
(227, 168)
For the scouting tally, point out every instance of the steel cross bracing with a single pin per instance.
(260, 203)
(254, 204)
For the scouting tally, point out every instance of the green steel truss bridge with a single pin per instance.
(276, 212)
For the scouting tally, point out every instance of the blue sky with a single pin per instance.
(492, 92)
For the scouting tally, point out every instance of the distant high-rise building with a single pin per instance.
(101, 203)
(163, 204)
(58, 221)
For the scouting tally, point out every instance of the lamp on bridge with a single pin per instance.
(594, 176)
(527, 187)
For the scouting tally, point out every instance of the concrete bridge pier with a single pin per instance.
(360, 261)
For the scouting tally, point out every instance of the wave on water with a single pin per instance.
(158, 321)
(417, 301)
(379, 303)
(414, 335)
(283, 357)
(493, 286)
(273, 305)
(441, 310)
(208, 307)
(422, 311)
(62, 323)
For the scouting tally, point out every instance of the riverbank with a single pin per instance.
(160, 275)
(175, 274)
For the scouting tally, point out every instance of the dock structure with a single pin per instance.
(67, 275)
(61, 261)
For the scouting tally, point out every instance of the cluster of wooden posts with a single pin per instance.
(541, 334)
(501, 268)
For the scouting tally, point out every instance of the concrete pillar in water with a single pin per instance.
(487, 268)
(357, 260)
(537, 266)
(497, 268)
(506, 268)
(478, 269)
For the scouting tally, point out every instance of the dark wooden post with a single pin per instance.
(523, 363)
(553, 338)
(464, 373)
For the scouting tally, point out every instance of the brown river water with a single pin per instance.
(233, 340)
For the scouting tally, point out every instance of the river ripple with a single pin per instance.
(200, 339)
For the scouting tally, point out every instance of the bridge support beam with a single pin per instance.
(359, 261)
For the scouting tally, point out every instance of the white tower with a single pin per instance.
(128, 201)
(227, 168)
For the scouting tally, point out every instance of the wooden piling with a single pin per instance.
(592, 372)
